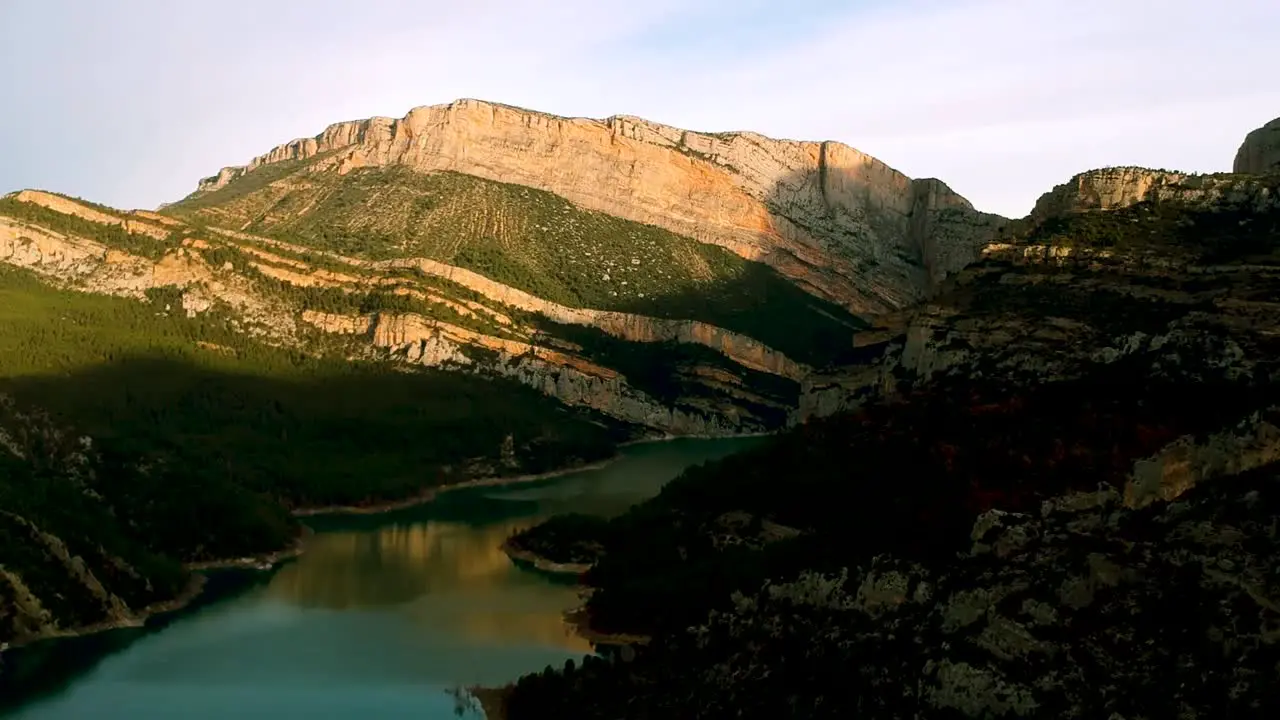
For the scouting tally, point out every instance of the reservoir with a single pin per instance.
(382, 616)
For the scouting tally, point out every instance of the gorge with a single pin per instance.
(998, 443)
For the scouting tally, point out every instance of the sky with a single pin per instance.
(130, 102)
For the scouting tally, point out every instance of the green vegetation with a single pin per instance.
(114, 236)
(906, 480)
(351, 300)
(305, 430)
(202, 437)
(242, 187)
(744, 623)
(532, 240)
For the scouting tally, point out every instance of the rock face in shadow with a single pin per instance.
(1048, 492)
(840, 223)
(1260, 152)
(1112, 264)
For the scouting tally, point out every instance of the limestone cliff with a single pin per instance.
(840, 223)
(1121, 187)
(1260, 152)
(269, 289)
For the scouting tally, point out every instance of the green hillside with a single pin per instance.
(201, 438)
(529, 239)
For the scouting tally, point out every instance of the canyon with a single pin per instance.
(840, 223)
(497, 292)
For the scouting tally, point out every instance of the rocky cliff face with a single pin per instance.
(1122, 187)
(1080, 428)
(839, 223)
(1115, 264)
(264, 285)
(1260, 152)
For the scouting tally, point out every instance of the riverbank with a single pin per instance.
(430, 494)
(541, 563)
(188, 594)
(670, 438)
(192, 591)
(263, 561)
(493, 701)
(267, 561)
(580, 620)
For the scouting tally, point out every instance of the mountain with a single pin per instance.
(1260, 151)
(841, 224)
(1048, 491)
(137, 442)
(679, 281)
(473, 291)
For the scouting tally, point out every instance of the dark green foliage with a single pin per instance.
(1108, 309)
(202, 437)
(568, 538)
(305, 430)
(933, 462)
(907, 480)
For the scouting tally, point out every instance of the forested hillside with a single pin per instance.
(1052, 495)
(529, 239)
(139, 439)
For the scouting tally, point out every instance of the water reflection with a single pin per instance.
(378, 618)
(444, 576)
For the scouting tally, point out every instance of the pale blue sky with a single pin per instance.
(129, 102)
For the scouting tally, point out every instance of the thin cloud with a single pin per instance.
(130, 102)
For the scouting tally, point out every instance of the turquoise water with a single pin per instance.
(380, 618)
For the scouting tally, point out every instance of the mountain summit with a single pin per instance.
(837, 222)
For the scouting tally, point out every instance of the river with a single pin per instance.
(380, 618)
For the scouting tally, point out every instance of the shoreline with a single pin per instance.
(580, 621)
(669, 438)
(430, 494)
(188, 594)
(493, 701)
(541, 563)
(254, 562)
(196, 584)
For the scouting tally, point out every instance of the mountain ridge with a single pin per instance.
(841, 224)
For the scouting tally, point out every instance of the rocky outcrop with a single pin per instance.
(568, 378)
(745, 351)
(1083, 610)
(1260, 152)
(836, 221)
(1186, 462)
(91, 266)
(130, 222)
(536, 359)
(1121, 187)
(1179, 271)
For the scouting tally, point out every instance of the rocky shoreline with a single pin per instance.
(268, 561)
(541, 563)
(432, 493)
(195, 585)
